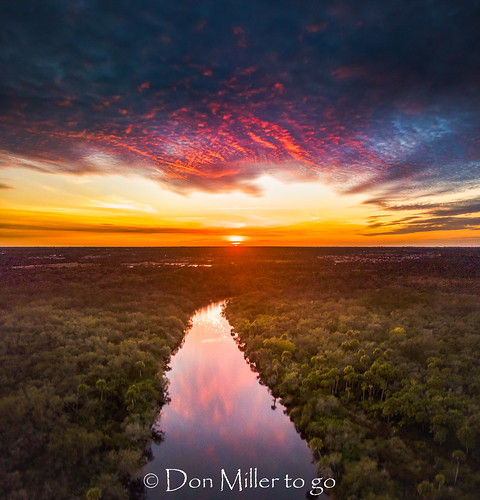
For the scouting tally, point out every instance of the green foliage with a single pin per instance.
(426, 490)
(279, 346)
(94, 494)
(382, 374)
(81, 375)
(377, 362)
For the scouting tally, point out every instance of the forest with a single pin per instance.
(82, 355)
(373, 352)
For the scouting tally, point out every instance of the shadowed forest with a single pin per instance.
(374, 353)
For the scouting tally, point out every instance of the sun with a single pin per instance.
(235, 240)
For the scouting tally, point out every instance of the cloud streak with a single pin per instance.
(428, 225)
(458, 215)
(107, 228)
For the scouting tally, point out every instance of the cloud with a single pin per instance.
(209, 95)
(432, 224)
(106, 228)
(429, 217)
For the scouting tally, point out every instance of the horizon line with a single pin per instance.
(238, 246)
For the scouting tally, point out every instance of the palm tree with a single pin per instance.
(101, 385)
(140, 365)
(459, 456)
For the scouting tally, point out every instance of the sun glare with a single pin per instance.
(235, 240)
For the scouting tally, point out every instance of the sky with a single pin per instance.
(220, 122)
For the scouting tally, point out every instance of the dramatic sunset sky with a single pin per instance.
(213, 122)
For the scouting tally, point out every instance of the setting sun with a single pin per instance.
(235, 240)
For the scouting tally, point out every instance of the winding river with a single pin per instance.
(224, 437)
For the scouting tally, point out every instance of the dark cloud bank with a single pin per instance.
(373, 97)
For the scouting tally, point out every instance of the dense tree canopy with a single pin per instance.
(82, 356)
(379, 370)
(374, 352)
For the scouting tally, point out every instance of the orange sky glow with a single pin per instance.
(44, 209)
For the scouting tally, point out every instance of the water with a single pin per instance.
(221, 418)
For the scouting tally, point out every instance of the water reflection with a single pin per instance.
(220, 417)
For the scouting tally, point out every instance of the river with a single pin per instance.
(224, 438)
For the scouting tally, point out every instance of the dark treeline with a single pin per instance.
(374, 352)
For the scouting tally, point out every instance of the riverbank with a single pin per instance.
(220, 421)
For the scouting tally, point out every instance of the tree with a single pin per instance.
(426, 490)
(440, 480)
(140, 365)
(82, 390)
(316, 444)
(94, 494)
(101, 385)
(350, 376)
(132, 396)
(466, 435)
(458, 456)
(362, 479)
